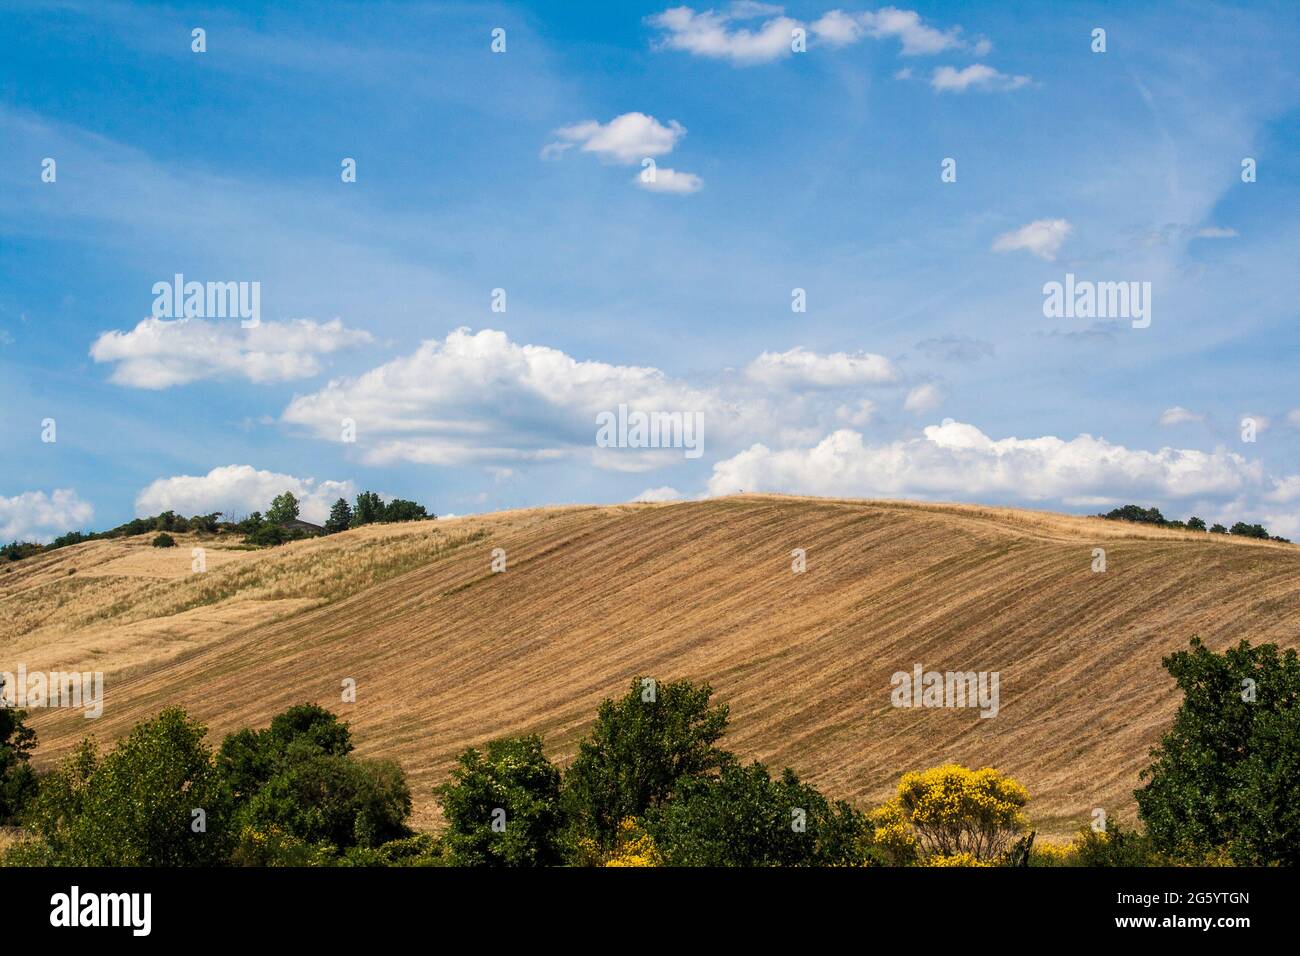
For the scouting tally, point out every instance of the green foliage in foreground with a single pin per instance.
(649, 786)
(1227, 774)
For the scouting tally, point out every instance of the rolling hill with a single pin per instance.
(447, 654)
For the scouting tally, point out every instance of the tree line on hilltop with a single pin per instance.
(1154, 517)
(274, 527)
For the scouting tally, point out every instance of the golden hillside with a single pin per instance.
(446, 654)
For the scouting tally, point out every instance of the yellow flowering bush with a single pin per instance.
(956, 859)
(1045, 853)
(635, 847)
(893, 835)
(951, 813)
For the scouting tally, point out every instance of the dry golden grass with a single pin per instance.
(447, 655)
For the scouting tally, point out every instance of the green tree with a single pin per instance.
(369, 509)
(249, 758)
(336, 801)
(1217, 528)
(164, 540)
(1227, 774)
(154, 800)
(1195, 524)
(340, 518)
(297, 778)
(284, 508)
(503, 806)
(399, 509)
(745, 818)
(17, 740)
(639, 750)
(1249, 530)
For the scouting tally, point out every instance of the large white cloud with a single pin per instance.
(239, 490)
(958, 461)
(480, 398)
(159, 353)
(37, 516)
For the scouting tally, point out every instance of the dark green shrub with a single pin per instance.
(502, 806)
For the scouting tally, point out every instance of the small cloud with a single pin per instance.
(670, 181)
(923, 398)
(651, 495)
(904, 74)
(715, 35)
(625, 139)
(977, 76)
(1262, 422)
(1216, 232)
(1179, 415)
(800, 368)
(1042, 237)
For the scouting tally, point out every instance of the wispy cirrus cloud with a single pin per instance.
(748, 33)
(1042, 238)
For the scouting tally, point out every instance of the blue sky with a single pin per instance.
(923, 366)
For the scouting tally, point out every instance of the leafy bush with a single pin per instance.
(502, 807)
(335, 801)
(296, 778)
(164, 540)
(745, 818)
(1227, 774)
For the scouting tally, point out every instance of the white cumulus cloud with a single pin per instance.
(240, 490)
(958, 461)
(977, 76)
(479, 397)
(40, 517)
(625, 139)
(713, 34)
(159, 353)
